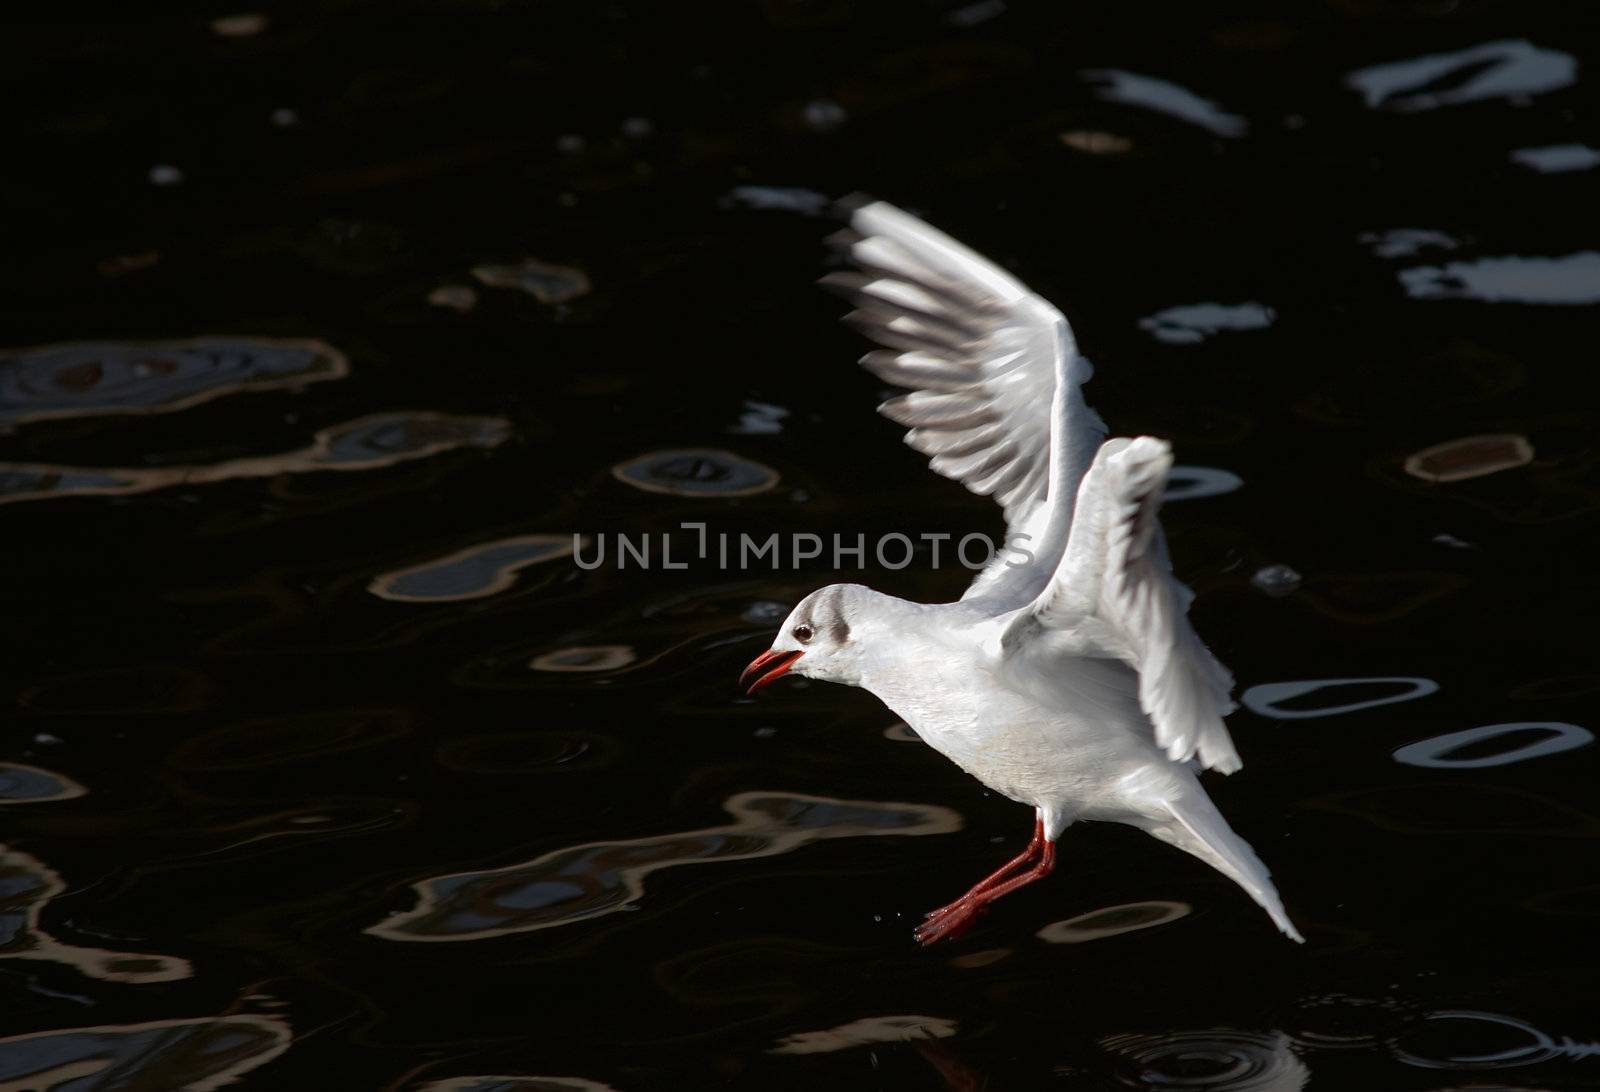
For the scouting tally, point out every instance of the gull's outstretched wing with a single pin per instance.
(1113, 584)
(995, 378)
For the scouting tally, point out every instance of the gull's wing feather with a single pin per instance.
(994, 375)
(1113, 576)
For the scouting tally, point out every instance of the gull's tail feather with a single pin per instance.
(1199, 828)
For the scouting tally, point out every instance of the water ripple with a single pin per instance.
(474, 572)
(26, 885)
(195, 1055)
(21, 784)
(1219, 1059)
(92, 378)
(598, 878)
(366, 443)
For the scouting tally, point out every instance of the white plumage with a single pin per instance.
(1072, 680)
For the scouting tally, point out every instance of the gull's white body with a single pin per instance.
(1067, 678)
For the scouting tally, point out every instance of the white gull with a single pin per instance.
(1072, 682)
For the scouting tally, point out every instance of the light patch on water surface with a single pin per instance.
(599, 878)
(778, 199)
(1557, 158)
(1114, 921)
(1470, 457)
(1435, 753)
(1165, 97)
(1096, 142)
(93, 378)
(544, 281)
(1276, 580)
(367, 443)
(865, 1032)
(243, 25)
(460, 298)
(1405, 242)
(21, 784)
(1194, 482)
(194, 1055)
(1570, 279)
(26, 885)
(474, 572)
(696, 472)
(760, 419)
(1495, 70)
(1192, 323)
(1267, 699)
(585, 658)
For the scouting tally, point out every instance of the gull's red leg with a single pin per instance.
(958, 917)
(1021, 860)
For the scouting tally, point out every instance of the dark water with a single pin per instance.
(328, 766)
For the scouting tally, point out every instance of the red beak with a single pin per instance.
(774, 663)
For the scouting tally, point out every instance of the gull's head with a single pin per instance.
(819, 639)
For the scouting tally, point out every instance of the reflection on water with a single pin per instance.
(1493, 70)
(1111, 921)
(544, 282)
(597, 878)
(1194, 482)
(696, 472)
(1463, 1039)
(585, 658)
(1192, 323)
(1096, 142)
(1463, 750)
(1274, 699)
(239, 26)
(1218, 1059)
(760, 419)
(1558, 158)
(84, 379)
(471, 573)
(1404, 242)
(868, 1030)
(513, 1084)
(460, 298)
(1276, 580)
(26, 885)
(1165, 97)
(1572, 279)
(21, 784)
(193, 1055)
(778, 199)
(1470, 457)
(365, 443)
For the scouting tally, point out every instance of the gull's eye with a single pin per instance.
(803, 633)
